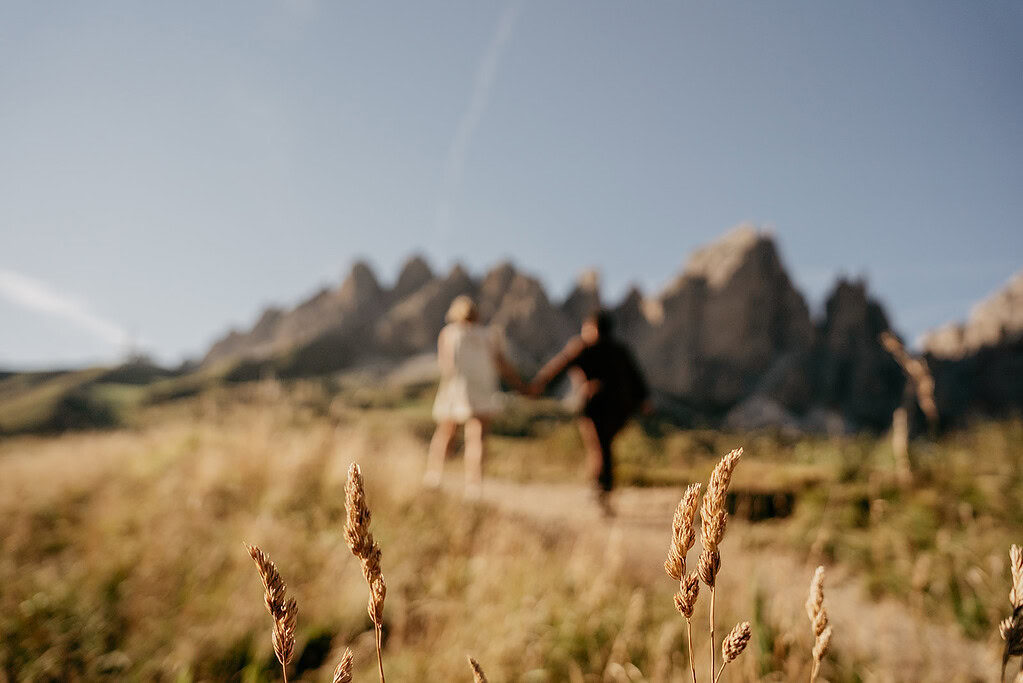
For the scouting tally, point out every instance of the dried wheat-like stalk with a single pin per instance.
(683, 537)
(818, 615)
(343, 672)
(1016, 567)
(683, 533)
(714, 518)
(360, 541)
(1011, 629)
(283, 610)
(733, 645)
(685, 603)
(685, 598)
(283, 636)
(477, 671)
(712, 513)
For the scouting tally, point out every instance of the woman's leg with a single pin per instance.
(475, 442)
(440, 444)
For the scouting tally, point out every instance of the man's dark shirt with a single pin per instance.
(621, 388)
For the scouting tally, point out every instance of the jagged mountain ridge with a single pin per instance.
(730, 337)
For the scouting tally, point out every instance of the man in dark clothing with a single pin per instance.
(606, 375)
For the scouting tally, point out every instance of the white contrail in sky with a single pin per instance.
(486, 73)
(39, 297)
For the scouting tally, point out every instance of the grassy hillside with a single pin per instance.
(94, 398)
(121, 551)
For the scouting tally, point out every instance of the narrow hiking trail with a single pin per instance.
(888, 640)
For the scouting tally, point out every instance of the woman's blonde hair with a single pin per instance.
(462, 310)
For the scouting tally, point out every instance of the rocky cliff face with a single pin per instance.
(632, 319)
(729, 339)
(978, 364)
(730, 314)
(853, 373)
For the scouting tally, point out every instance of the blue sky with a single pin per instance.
(170, 168)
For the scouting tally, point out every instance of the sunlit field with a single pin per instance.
(122, 556)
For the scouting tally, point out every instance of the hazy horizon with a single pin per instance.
(171, 170)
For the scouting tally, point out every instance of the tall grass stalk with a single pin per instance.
(713, 519)
(284, 610)
(360, 541)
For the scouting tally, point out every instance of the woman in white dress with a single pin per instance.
(471, 366)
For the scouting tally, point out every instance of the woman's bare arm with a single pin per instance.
(557, 365)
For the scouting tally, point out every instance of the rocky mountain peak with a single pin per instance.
(718, 262)
(630, 317)
(414, 275)
(497, 280)
(584, 297)
(458, 273)
(854, 373)
(361, 283)
(588, 280)
(851, 317)
(996, 320)
(494, 287)
(730, 314)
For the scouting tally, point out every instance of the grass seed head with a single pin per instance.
(360, 541)
(818, 615)
(357, 534)
(685, 598)
(274, 587)
(735, 642)
(683, 535)
(343, 672)
(283, 636)
(1011, 631)
(821, 645)
(815, 603)
(710, 564)
(712, 513)
(283, 610)
(377, 593)
(1016, 566)
(477, 671)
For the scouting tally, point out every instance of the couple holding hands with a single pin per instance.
(603, 372)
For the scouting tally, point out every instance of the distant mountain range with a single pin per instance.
(730, 340)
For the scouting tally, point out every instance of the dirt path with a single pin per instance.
(887, 640)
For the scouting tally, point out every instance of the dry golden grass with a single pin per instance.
(119, 560)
